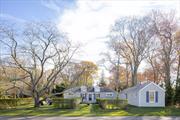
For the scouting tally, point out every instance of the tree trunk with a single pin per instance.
(169, 90)
(178, 69)
(154, 74)
(134, 77)
(117, 77)
(167, 74)
(36, 100)
(127, 76)
(117, 84)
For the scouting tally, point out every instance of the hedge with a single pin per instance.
(112, 103)
(66, 103)
(25, 101)
(14, 102)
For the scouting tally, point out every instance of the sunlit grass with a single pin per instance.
(89, 110)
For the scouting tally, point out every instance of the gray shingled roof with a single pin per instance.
(74, 89)
(135, 88)
(89, 89)
(102, 89)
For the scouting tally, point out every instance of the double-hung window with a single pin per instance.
(97, 95)
(152, 96)
(109, 94)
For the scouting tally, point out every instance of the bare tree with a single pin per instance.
(102, 82)
(154, 61)
(111, 61)
(177, 47)
(177, 90)
(36, 49)
(79, 73)
(127, 74)
(165, 25)
(132, 38)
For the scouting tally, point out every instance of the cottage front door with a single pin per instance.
(83, 97)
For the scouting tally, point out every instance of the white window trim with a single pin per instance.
(70, 94)
(153, 84)
(97, 94)
(154, 96)
(109, 94)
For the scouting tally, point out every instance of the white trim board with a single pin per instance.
(153, 84)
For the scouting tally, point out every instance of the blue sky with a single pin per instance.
(34, 10)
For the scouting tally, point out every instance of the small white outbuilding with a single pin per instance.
(146, 94)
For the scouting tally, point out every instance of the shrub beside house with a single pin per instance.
(112, 103)
(66, 103)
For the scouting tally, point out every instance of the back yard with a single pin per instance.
(89, 110)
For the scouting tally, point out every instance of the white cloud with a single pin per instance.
(11, 18)
(51, 5)
(89, 23)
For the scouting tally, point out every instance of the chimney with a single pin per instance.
(96, 88)
(83, 89)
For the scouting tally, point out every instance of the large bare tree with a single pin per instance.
(41, 51)
(156, 66)
(177, 90)
(165, 25)
(111, 61)
(132, 39)
(177, 47)
(80, 73)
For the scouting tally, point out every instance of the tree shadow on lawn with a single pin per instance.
(152, 111)
(137, 111)
(91, 110)
(30, 111)
(83, 110)
(96, 110)
(46, 111)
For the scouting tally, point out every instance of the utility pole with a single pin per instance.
(117, 75)
(127, 75)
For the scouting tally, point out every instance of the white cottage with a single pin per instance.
(89, 94)
(146, 94)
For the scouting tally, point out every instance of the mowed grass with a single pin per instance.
(45, 110)
(138, 111)
(89, 110)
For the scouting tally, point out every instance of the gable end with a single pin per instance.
(153, 84)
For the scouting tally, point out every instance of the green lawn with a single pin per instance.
(91, 110)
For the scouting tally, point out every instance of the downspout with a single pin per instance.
(139, 100)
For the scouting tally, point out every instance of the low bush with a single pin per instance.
(112, 103)
(14, 102)
(8, 103)
(25, 101)
(66, 103)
